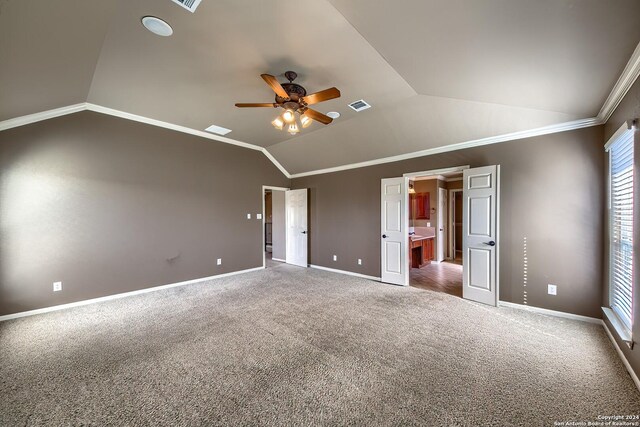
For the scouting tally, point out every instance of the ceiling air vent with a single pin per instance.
(218, 129)
(359, 105)
(190, 5)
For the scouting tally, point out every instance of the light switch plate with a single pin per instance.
(552, 289)
(57, 286)
(219, 261)
(259, 216)
(335, 257)
(248, 216)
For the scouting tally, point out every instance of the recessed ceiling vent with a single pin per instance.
(359, 105)
(218, 129)
(190, 5)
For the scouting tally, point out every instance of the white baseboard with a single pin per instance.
(278, 259)
(349, 273)
(551, 312)
(625, 362)
(121, 295)
(562, 314)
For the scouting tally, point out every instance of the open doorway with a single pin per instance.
(274, 228)
(409, 240)
(433, 263)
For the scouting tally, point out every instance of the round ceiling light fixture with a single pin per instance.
(333, 114)
(157, 26)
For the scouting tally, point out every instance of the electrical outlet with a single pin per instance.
(57, 286)
(219, 261)
(359, 261)
(248, 216)
(552, 289)
(258, 216)
(428, 224)
(335, 257)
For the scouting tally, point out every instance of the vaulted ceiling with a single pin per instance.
(436, 72)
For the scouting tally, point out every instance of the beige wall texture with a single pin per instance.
(107, 205)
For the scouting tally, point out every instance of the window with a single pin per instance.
(621, 229)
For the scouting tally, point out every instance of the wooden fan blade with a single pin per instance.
(266, 104)
(318, 117)
(323, 95)
(271, 81)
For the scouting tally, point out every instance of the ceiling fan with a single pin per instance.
(293, 99)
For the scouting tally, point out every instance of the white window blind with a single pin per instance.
(621, 227)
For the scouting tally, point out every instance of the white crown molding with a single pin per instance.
(87, 106)
(348, 273)
(122, 295)
(43, 115)
(627, 78)
(184, 129)
(625, 81)
(620, 89)
(276, 162)
(167, 125)
(560, 127)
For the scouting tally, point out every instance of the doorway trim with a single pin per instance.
(264, 219)
(405, 228)
(452, 207)
(437, 171)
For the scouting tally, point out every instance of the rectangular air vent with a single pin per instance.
(218, 129)
(359, 105)
(190, 5)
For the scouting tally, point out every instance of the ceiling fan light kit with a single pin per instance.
(294, 100)
(305, 121)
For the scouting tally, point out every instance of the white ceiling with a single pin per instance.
(437, 72)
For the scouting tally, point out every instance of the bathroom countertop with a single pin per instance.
(416, 237)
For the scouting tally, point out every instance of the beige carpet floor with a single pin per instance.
(293, 347)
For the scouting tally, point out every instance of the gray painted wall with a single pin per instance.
(628, 109)
(107, 205)
(278, 231)
(552, 193)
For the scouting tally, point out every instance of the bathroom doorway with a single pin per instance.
(433, 264)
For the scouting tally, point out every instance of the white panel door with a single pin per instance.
(480, 234)
(395, 234)
(442, 217)
(296, 226)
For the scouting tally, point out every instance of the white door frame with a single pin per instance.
(452, 208)
(441, 242)
(430, 172)
(264, 190)
(436, 171)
